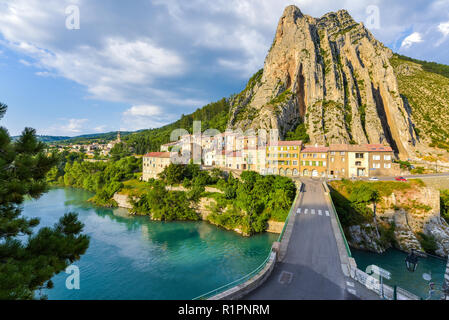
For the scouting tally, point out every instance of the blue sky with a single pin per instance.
(141, 64)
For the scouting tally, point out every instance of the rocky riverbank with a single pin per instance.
(203, 208)
(409, 219)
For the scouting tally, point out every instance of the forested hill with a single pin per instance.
(214, 115)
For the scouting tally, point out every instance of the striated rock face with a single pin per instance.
(364, 237)
(331, 74)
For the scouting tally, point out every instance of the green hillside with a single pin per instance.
(214, 115)
(425, 86)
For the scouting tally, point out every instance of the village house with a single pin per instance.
(154, 163)
(314, 161)
(283, 158)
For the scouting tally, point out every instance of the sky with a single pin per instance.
(71, 67)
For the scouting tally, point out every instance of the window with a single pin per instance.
(343, 159)
(313, 163)
(387, 158)
(376, 165)
(332, 159)
(323, 156)
(358, 163)
(320, 163)
(332, 153)
(387, 165)
(307, 163)
(315, 156)
(295, 163)
(342, 153)
(359, 155)
(376, 157)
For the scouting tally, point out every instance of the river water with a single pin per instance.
(394, 262)
(135, 258)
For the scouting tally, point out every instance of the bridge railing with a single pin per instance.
(256, 271)
(326, 187)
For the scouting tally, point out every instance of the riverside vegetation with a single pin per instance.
(355, 203)
(244, 204)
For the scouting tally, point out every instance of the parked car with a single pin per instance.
(400, 179)
(374, 179)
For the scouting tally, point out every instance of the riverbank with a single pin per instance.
(132, 257)
(122, 201)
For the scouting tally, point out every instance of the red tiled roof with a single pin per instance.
(378, 148)
(286, 143)
(158, 155)
(315, 149)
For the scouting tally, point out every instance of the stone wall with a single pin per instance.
(122, 201)
(275, 226)
(438, 183)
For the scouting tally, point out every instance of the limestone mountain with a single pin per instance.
(332, 75)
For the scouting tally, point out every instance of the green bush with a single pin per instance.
(428, 243)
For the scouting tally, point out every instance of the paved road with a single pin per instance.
(311, 269)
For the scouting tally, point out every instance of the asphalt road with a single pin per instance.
(311, 269)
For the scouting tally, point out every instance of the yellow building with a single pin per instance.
(314, 161)
(154, 163)
(283, 158)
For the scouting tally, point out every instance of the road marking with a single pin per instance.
(352, 291)
(350, 284)
(313, 211)
(320, 212)
(327, 213)
(306, 211)
(299, 210)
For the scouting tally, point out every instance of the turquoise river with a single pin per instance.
(135, 258)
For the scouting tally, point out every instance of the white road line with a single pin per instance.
(327, 213)
(350, 284)
(299, 210)
(306, 211)
(320, 212)
(352, 291)
(313, 211)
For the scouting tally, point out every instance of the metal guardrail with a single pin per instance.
(383, 290)
(248, 276)
(234, 283)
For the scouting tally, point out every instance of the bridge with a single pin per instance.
(315, 260)
(310, 261)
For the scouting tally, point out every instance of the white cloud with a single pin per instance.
(66, 127)
(144, 117)
(143, 110)
(444, 28)
(415, 37)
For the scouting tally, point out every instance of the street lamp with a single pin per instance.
(411, 262)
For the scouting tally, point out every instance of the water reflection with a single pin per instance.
(136, 258)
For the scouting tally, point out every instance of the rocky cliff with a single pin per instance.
(333, 75)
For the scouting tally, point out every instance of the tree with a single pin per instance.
(119, 151)
(28, 264)
(365, 193)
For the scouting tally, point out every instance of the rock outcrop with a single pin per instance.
(411, 212)
(331, 74)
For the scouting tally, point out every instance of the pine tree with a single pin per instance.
(28, 260)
